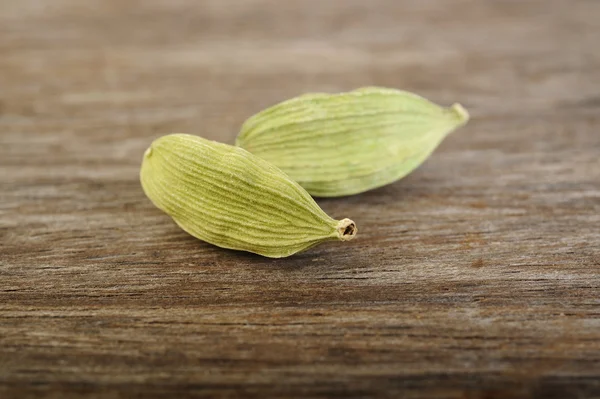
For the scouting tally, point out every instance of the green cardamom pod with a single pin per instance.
(231, 198)
(348, 143)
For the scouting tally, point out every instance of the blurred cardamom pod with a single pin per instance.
(348, 143)
(231, 198)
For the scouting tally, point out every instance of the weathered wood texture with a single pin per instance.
(476, 276)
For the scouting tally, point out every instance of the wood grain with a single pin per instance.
(478, 276)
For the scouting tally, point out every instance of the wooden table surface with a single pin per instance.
(478, 276)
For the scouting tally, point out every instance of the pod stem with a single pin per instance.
(346, 229)
(461, 113)
(148, 152)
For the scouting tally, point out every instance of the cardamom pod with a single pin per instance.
(231, 198)
(348, 143)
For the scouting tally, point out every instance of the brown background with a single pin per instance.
(475, 277)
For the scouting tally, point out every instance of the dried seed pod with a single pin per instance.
(233, 199)
(348, 143)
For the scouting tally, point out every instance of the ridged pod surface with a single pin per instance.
(231, 198)
(348, 143)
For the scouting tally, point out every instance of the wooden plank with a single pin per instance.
(476, 276)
